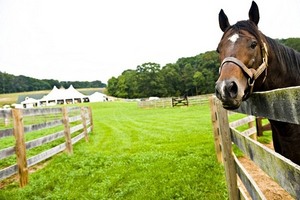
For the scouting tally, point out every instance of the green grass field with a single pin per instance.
(134, 153)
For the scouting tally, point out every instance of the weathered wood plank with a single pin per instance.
(6, 132)
(249, 131)
(242, 121)
(78, 127)
(73, 108)
(272, 104)
(43, 140)
(89, 129)
(45, 154)
(40, 111)
(74, 118)
(77, 138)
(5, 113)
(8, 171)
(35, 127)
(248, 181)
(88, 122)
(242, 194)
(282, 170)
(7, 152)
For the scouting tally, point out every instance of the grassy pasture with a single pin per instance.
(133, 153)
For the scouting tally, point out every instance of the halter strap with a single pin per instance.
(252, 73)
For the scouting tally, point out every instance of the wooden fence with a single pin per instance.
(280, 105)
(167, 102)
(28, 132)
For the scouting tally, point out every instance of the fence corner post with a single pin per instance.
(20, 146)
(67, 131)
(228, 159)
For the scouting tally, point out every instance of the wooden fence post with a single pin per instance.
(91, 118)
(67, 131)
(20, 146)
(83, 118)
(216, 129)
(228, 159)
(250, 125)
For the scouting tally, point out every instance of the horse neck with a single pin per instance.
(283, 66)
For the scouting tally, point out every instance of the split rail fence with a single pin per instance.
(39, 133)
(281, 105)
(167, 102)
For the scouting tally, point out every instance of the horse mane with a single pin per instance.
(286, 56)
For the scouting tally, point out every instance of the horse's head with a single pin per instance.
(243, 56)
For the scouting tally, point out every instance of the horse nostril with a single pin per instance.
(232, 89)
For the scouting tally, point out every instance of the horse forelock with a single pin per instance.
(248, 26)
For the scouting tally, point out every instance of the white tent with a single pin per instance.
(72, 93)
(97, 97)
(63, 96)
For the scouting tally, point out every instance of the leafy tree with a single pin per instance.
(198, 80)
(149, 80)
(292, 43)
(131, 83)
(171, 80)
(112, 86)
(187, 79)
(122, 87)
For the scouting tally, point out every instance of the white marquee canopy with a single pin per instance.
(63, 96)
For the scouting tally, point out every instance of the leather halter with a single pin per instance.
(252, 73)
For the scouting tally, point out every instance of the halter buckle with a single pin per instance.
(251, 82)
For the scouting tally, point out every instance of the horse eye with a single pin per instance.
(253, 44)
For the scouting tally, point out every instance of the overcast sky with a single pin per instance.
(88, 40)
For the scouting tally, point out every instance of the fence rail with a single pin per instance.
(26, 129)
(282, 105)
(167, 102)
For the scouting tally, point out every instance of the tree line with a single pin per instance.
(188, 76)
(11, 84)
(191, 76)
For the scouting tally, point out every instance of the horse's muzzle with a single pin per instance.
(228, 92)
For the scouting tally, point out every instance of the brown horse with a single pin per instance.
(251, 62)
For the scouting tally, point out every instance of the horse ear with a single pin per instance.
(223, 21)
(254, 13)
